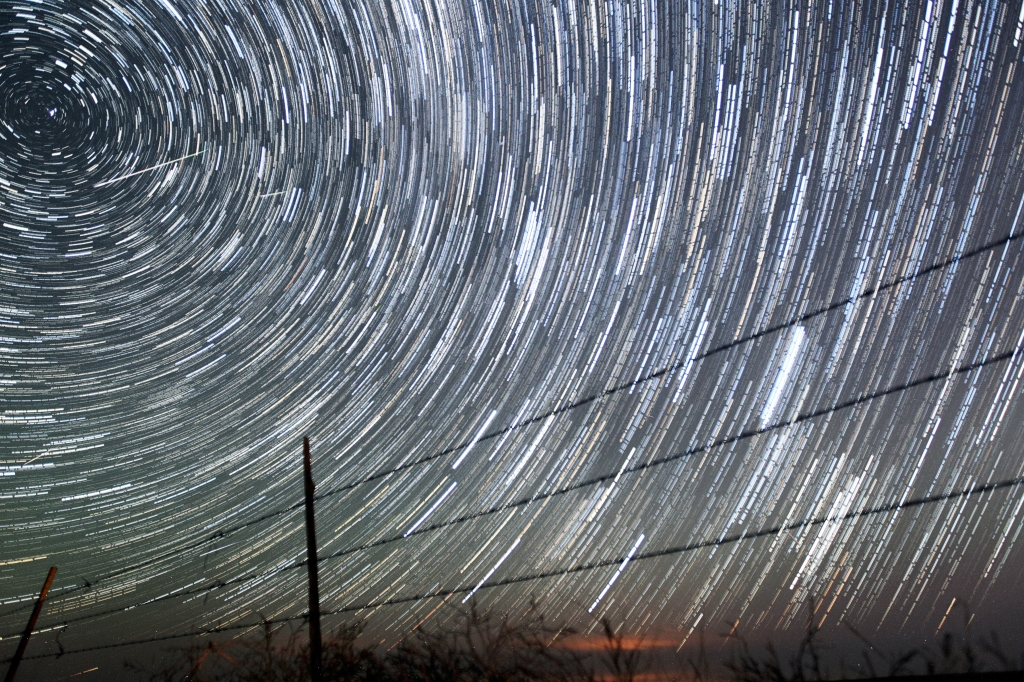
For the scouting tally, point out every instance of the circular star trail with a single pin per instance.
(456, 244)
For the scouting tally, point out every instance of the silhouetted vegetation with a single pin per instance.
(805, 663)
(481, 647)
(484, 647)
(954, 654)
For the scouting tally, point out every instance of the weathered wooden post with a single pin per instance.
(31, 626)
(315, 643)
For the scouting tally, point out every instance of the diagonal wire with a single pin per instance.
(1004, 242)
(583, 484)
(894, 507)
(795, 320)
(680, 455)
(798, 319)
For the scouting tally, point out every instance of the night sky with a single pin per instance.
(577, 293)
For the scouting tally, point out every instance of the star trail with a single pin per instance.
(673, 313)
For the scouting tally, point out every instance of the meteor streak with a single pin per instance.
(146, 170)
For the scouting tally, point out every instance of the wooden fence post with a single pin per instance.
(315, 642)
(31, 626)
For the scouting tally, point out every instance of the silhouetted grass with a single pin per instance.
(954, 655)
(480, 646)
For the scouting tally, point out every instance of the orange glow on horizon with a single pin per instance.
(598, 642)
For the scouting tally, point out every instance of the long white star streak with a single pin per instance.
(476, 439)
(494, 568)
(410, 222)
(432, 509)
(618, 572)
(782, 379)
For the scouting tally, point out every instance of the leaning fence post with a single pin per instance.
(315, 643)
(31, 626)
